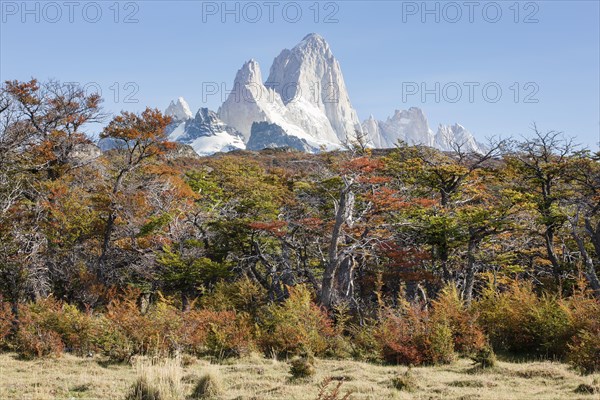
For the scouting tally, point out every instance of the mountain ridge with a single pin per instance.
(304, 104)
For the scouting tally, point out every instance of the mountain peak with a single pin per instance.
(249, 73)
(179, 110)
(313, 43)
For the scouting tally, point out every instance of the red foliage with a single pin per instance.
(6, 320)
(363, 165)
(276, 228)
(220, 333)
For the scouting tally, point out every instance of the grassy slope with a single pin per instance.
(258, 378)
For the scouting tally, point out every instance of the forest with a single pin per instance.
(406, 256)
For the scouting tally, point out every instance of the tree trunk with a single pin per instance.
(549, 238)
(342, 214)
(344, 289)
(185, 302)
(110, 226)
(470, 273)
(590, 270)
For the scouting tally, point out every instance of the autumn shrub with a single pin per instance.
(584, 351)
(297, 325)
(35, 336)
(77, 329)
(49, 326)
(520, 321)
(6, 321)
(582, 310)
(410, 337)
(584, 347)
(217, 333)
(450, 309)
(242, 296)
(126, 331)
(365, 345)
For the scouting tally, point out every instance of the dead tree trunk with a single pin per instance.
(343, 215)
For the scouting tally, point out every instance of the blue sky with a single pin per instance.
(543, 56)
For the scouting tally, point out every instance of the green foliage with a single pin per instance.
(584, 352)
(450, 309)
(295, 326)
(155, 223)
(518, 320)
(35, 336)
(187, 273)
(242, 295)
(365, 342)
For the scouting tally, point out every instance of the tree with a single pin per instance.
(139, 138)
(186, 271)
(41, 131)
(542, 166)
(585, 217)
(448, 179)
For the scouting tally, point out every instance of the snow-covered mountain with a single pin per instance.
(205, 132)
(409, 126)
(305, 95)
(265, 135)
(310, 82)
(303, 104)
(450, 137)
(179, 110)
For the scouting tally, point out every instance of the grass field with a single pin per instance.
(258, 378)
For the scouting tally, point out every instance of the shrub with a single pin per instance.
(439, 343)
(365, 343)
(217, 333)
(584, 352)
(34, 337)
(518, 320)
(295, 326)
(449, 309)
(242, 296)
(405, 381)
(6, 321)
(410, 337)
(209, 386)
(159, 380)
(76, 329)
(302, 367)
(484, 358)
(127, 332)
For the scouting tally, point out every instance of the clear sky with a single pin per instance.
(542, 56)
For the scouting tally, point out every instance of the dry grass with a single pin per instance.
(157, 380)
(257, 378)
